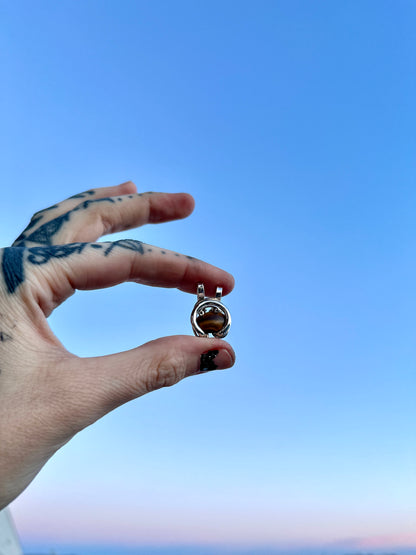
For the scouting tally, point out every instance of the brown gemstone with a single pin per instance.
(211, 321)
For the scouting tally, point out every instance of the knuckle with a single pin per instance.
(165, 372)
(97, 212)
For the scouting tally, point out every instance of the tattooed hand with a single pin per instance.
(47, 394)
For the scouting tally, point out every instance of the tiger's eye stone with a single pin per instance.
(211, 321)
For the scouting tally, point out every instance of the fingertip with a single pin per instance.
(188, 203)
(228, 354)
(230, 284)
(219, 358)
(214, 353)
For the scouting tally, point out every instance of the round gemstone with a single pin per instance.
(211, 321)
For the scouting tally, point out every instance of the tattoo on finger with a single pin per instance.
(14, 259)
(45, 233)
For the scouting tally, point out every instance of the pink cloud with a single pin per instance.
(389, 540)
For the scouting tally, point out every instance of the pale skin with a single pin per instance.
(48, 394)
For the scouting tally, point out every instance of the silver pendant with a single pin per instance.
(209, 315)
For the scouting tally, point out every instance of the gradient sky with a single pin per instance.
(293, 125)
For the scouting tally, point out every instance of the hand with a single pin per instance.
(47, 394)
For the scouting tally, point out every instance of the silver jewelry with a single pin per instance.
(209, 315)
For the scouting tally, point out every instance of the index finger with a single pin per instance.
(98, 265)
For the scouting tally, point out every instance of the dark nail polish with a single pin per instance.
(207, 361)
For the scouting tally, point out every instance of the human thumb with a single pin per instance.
(100, 384)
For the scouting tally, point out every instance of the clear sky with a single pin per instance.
(293, 125)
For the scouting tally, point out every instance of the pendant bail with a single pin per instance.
(201, 291)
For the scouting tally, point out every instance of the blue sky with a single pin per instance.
(292, 124)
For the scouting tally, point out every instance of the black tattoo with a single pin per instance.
(207, 361)
(14, 258)
(44, 234)
(45, 210)
(87, 203)
(83, 195)
(32, 223)
(42, 255)
(5, 336)
(12, 267)
(129, 244)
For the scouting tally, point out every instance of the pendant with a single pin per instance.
(209, 315)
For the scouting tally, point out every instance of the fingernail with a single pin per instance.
(215, 359)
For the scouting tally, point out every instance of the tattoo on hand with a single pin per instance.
(21, 254)
(91, 192)
(39, 216)
(14, 258)
(44, 234)
(5, 337)
(12, 267)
